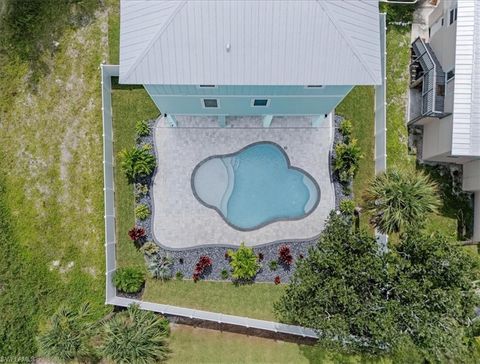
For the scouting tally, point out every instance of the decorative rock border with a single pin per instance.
(184, 261)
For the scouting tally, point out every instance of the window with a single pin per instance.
(260, 102)
(314, 86)
(452, 16)
(207, 86)
(450, 74)
(210, 103)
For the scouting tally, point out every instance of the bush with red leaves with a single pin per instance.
(203, 263)
(136, 233)
(277, 280)
(284, 254)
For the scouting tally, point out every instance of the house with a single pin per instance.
(444, 97)
(264, 58)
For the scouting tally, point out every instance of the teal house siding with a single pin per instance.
(238, 100)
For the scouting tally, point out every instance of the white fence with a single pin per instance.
(381, 117)
(109, 71)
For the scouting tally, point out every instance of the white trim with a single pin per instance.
(252, 102)
(202, 101)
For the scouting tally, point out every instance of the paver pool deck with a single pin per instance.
(180, 221)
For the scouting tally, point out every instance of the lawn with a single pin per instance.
(51, 200)
(197, 345)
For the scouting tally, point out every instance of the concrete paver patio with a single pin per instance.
(180, 221)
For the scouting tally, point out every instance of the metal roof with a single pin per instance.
(466, 108)
(241, 42)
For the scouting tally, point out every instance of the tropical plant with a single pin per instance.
(141, 190)
(142, 211)
(137, 162)
(128, 279)
(68, 335)
(345, 129)
(142, 128)
(273, 265)
(244, 263)
(160, 267)
(136, 233)
(347, 207)
(136, 336)
(224, 273)
(179, 276)
(285, 255)
(277, 280)
(400, 200)
(347, 160)
(420, 293)
(150, 248)
(203, 263)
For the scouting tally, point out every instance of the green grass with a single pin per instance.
(254, 300)
(51, 167)
(197, 345)
(129, 105)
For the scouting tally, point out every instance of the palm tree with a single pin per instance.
(400, 200)
(68, 335)
(135, 336)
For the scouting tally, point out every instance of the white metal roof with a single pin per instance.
(271, 42)
(466, 108)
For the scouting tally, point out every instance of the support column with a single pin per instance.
(222, 121)
(476, 217)
(267, 121)
(317, 121)
(172, 121)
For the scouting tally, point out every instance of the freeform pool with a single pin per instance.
(255, 187)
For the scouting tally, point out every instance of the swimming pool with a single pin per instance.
(255, 186)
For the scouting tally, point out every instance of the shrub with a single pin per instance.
(203, 263)
(137, 162)
(136, 233)
(129, 279)
(277, 280)
(135, 336)
(224, 274)
(179, 276)
(150, 248)
(347, 207)
(260, 257)
(285, 255)
(398, 201)
(160, 267)
(347, 160)
(273, 265)
(141, 190)
(345, 129)
(142, 128)
(68, 335)
(244, 263)
(142, 211)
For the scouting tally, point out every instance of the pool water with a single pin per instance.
(255, 186)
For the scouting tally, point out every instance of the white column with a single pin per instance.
(476, 217)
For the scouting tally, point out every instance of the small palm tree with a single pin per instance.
(68, 335)
(400, 200)
(136, 336)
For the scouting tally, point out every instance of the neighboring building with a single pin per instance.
(444, 96)
(267, 58)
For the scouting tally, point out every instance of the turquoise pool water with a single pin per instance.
(255, 186)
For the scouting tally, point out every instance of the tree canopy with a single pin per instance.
(420, 293)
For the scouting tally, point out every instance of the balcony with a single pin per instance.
(427, 83)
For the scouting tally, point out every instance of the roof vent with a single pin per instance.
(227, 47)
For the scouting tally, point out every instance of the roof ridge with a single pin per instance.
(346, 38)
(140, 57)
